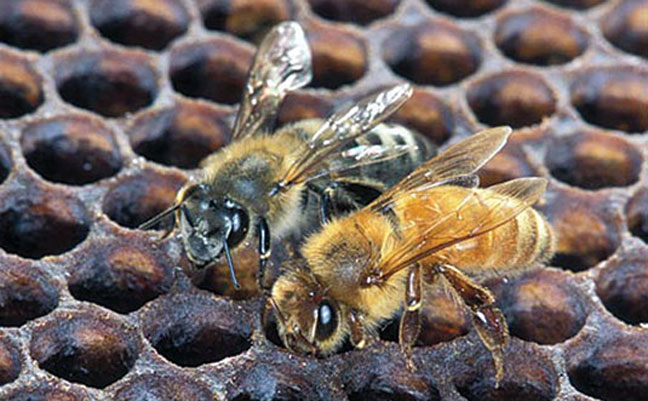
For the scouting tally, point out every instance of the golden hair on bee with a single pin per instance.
(435, 226)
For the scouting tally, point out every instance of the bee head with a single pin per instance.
(209, 225)
(309, 321)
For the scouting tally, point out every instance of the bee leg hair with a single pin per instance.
(488, 320)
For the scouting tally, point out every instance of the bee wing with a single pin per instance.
(480, 211)
(282, 63)
(462, 159)
(340, 129)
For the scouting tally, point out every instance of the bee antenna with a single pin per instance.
(230, 264)
(277, 311)
(158, 217)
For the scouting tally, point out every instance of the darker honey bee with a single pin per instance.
(434, 227)
(261, 186)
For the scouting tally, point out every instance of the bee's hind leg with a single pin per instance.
(410, 323)
(487, 319)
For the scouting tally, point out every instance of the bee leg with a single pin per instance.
(487, 319)
(263, 233)
(410, 323)
(357, 325)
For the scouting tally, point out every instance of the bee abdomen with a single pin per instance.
(528, 238)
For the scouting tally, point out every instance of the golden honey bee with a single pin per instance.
(434, 227)
(264, 185)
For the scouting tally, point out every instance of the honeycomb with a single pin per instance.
(107, 107)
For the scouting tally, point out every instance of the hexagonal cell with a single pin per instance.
(427, 114)
(380, 377)
(432, 53)
(355, 11)
(514, 98)
(543, 306)
(10, 363)
(249, 20)
(36, 222)
(84, 347)
(214, 70)
(25, 293)
(513, 160)
(38, 24)
(151, 25)
(109, 83)
(593, 160)
(5, 162)
(21, 89)
(180, 136)
(192, 330)
(137, 198)
(625, 27)
(637, 215)
(528, 375)
(71, 149)
(162, 387)
(586, 233)
(45, 392)
(576, 4)
(612, 98)
(465, 8)
(623, 286)
(541, 37)
(301, 106)
(339, 57)
(122, 274)
(611, 367)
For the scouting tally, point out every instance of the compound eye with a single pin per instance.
(240, 223)
(326, 321)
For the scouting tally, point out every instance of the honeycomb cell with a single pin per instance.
(109, 83)
(21, 89)
(432, 53)
(637, 215)
(540, 37)
(180, 136)
(84, 347)
(623, 287)
(301, 106)
(37, 222)
(5, 162)
(72, 149)
(593, 160)
(40, 25)
(514, 98)
(611, 368)
(425, 113)
(25, 293)
(215, 70)
(280, 382)
(612, 98)
(137, 198)
(247, 19)
(355, 11)
(542, 306)
(192, 330)
(162, 387)
(465, 8)
(122, 275)
(625, 26)
(10, 363)
(512, 161)
(44, 392)
(339, 57)
(528, 376)
(576, 4)
(144, 23)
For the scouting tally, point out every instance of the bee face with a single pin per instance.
(208, 224)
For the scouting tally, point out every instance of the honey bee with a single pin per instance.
(262, 185)
(434, 227)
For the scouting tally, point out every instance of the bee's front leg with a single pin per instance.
(410, 323)
(358, 329)
(263, 233)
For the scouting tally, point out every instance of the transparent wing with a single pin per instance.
(340, 129)
(461, 159)
(282, 63)
(475, 212)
